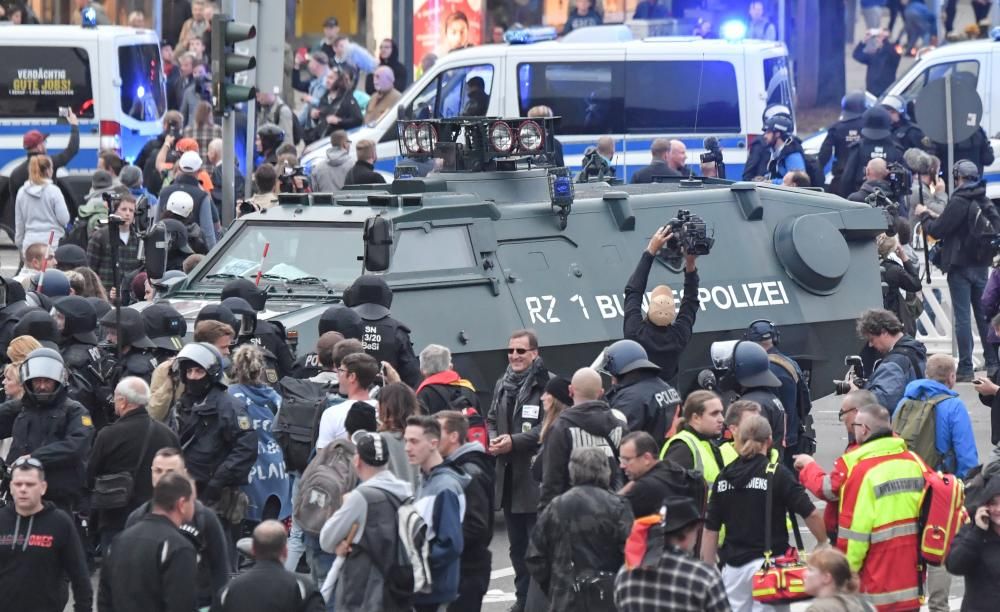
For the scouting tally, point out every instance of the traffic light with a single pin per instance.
(226, 63)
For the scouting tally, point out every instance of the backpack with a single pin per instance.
(915, 423)
(477, 428)
(982, 234)
(942, 513)
(463, 399)
(817, 178)
(297, 423)
(298, 132)
(803, 404)
(325, 481)
(409, 572)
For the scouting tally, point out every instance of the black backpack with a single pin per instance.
(78, 234)
(456, 397)
(298, 132)
(982, 234)
(297, 424)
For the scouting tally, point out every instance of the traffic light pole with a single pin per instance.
(228, 212)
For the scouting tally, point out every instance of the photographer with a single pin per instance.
(664, 332)
(173, 123)
(965, 258)
(291, 177)
(902, 357)
(876, 177)
(928, 188)
(199, 90)
(899, 274)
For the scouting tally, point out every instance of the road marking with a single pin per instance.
(501, 573)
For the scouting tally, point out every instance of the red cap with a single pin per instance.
(34, 138)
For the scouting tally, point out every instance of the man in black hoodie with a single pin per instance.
(39, 548)
(652, 481)
(963, 259)
(663, 332)
(477, 524)
(589, 422)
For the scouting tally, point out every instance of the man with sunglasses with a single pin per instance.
(39, 547)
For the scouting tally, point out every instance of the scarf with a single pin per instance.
(517, 385)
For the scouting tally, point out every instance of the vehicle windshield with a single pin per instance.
(143, 94)
(301, 256)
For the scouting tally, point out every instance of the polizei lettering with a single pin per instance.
(752, 294)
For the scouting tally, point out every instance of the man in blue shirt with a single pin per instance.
(786, 150)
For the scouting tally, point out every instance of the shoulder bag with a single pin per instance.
(780, 579)
(113, 491)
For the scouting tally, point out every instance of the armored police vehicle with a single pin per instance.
(497, 240)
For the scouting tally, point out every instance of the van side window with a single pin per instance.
(778, 85)
(418, 250)
(969, 68)
(454, 92)
(36, 81)
(143, 93)
(586, 95)
(674, 97)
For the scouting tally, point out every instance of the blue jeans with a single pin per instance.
(966, 286)
(320, 562)
(920, 24)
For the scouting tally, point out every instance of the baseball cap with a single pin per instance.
(190, 162)
(331, 22)
(33, 138)
(130, 176)
(180, 203)
(371, 447)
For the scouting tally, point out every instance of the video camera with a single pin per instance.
(900, 181)
(287, 180)
(689, 236)
(855, 375)
(714, 155)
(889, 206)
(595, 167)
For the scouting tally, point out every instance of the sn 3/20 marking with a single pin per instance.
(763, 294)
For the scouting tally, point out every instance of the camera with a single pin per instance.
(855, 375)
(289, 184)
(689, 236)
(889, 206)
(713, 155)
(595, 167)
(900, 181)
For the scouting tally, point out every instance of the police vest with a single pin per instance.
(379, 339)
(701, 450)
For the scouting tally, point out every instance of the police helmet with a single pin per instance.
(203, 355)
(40, 325)
(101, 307)
(775, 109)
(340, 318)
(218, 312)
(894, 103)
(54, 283)
(43, 363)
(79, 318)
(169, 279)
(876, 123)
(271, 136)
(965, 169)
(246, 289)
(751, 366)
(853, 105)
(762, 329)
(242, 309)
(177, 235)
(627, 356)
(779, 123)
(12, 290)
(131, 330)
(165, 327)
(370, 297)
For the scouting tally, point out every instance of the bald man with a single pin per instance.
(589, 422)
(386, 95)
(876, 173)
(677, 158)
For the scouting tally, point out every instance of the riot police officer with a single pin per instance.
(752, 371)
(218, 312)
(40, 325)
(76, 321)
(165, 328)
(649, 403)
(268, 335)
(385, 338)
(876, 141)
(906, 133)
(245, 327)
(793, 393)
(338, 318)
(137, 357)
(50, 427)
(841, 135)
(220, 446)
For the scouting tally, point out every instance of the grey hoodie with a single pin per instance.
(38, 210)
(329, 174)
(355, 510)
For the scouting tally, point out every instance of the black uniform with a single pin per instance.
(387, 339)
(269, 587)
(277, 356)
(975, 148)
(647, 402)
(772, 410)
(758, 157)
(908, 134)
(338, 318)
(137, 362)
(862, 152)
(836, 146)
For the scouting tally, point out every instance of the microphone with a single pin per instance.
(918, 161)
(711, 143)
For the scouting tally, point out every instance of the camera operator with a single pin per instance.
(902, 357)
(597, 164)
(899, 274)
(291, 176)
(198, 90)
(663, 332)
(928, 188)
(99, 253)
(876, 177)
(964, 258)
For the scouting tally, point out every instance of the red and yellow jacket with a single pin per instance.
(879, 508)
(827, 487)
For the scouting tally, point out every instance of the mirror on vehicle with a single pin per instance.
(378, 244)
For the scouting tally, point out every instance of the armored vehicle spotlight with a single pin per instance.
(530, 137)
(476, 144)
(501, 137)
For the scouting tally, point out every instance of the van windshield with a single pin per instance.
(143, 94)
(36, 81)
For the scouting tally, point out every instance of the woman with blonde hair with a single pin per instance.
(830, 580)
(739, 503)
(39, 209)
(20, 347)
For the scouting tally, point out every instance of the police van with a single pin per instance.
(109, 76)
(632, 89)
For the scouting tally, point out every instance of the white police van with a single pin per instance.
(634, 90)
(109, 76)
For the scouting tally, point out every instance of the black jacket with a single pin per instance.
(758, 157)
(116, 449)
(269, 587)
(477, 524)
(862, 152)
(580, 426)
(663, 345)
(59, 436)
(910, 135)
(975, 554)
(868, 188)
(975, 148)
(953, 225)
(647, 402)
(882, 65)
(343, 106)
(188, 184)
(898, 277)
(363, 173)
(664, 480)
(836, 145)
(270, 337)
(220, 446)
(656, 169)
(19, 175)
(390, 341)
(210, 542)
(152, 567)
(33, 573)
(772, 409)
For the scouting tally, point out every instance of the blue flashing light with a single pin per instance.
(88, 17)
(734, 30)
(140, 92)
(995, 33)
(527, 36)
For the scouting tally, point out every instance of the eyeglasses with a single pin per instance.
(843, 413)
(29, 461)
(519, 351)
